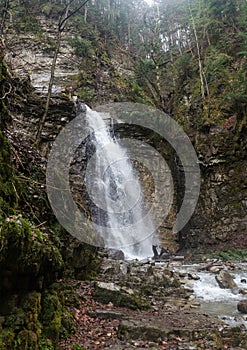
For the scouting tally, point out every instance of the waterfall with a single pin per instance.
(120, 217)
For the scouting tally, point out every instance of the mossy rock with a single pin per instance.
(81, 260)
(35, 253)
(37, 321)
(52, 315)
(7, 337)
(31, 304)
(27, 340)
(119, 296)
(8, 181)
(15, 320)
(56, 318)
(57, 321)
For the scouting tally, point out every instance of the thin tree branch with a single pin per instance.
(63, 22)
(6, 93)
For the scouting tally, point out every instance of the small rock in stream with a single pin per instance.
(225, 280)
(215, 268)
(193, 276)
(242, 306)
(195, 305)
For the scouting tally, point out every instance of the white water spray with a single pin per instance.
(116, 191)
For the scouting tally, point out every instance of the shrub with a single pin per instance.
(82, 47)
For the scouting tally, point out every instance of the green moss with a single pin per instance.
(55, 311)
(45, 344)
(32, 248)
(36, 320)
(78, 347)
(8, 181)
(16, 319)
(228, 253)
(57, 321)
(52, 316)
(67, 325)
(86, 94)
(27, 340)
(7, 337)
(31, 304)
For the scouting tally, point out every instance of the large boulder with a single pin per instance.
(242, 306)
(108, 292)
(114, 267)
(115, 254)
(141, 329)
(161, 277)
(226, 281)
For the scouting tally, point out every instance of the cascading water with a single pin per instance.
(120, 217)
(215, 300)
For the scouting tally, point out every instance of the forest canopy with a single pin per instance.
(188, 55)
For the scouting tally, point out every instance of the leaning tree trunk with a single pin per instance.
(62, 22)
(53, 67)
(204, 85)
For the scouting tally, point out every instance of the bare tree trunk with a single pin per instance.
(198, 54)
(62, 23)
(85, 14)
(156, 57)
(153, 91)
(52, 76)
(129, 34)
(53, 67)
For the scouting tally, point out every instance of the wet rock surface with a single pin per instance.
(30, 56)
(242, 306)
(171, 318)
(225, 280)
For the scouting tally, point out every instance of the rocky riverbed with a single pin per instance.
(154, 305)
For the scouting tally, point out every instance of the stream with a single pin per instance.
(215, 300)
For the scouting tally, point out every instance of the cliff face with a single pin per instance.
(220, 217)
(31, 54)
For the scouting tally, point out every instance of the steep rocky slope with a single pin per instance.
(220, 218)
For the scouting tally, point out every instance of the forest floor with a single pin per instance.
(98, 325)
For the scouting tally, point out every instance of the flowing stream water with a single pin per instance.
(120, 217)
(217, 301)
